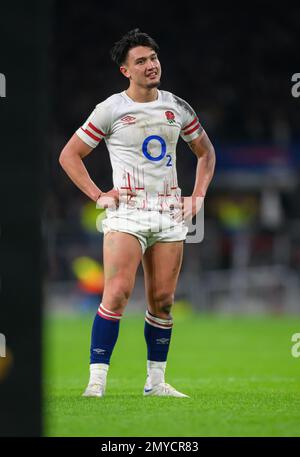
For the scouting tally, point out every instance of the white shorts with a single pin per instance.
(148, 227)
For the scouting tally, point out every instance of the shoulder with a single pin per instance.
(110, 102)
(182, 104)
(108, 109)
(166, 97)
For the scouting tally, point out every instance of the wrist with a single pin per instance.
(198, 195)
(97, 196)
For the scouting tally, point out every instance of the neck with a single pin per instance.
(142, 95)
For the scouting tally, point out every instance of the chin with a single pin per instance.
(153, 84)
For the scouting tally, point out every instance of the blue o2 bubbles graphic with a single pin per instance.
(163, 147)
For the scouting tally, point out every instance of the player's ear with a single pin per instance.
(124, 70)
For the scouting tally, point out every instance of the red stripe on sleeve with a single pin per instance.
(188, 132)
(190, 124)
(91, 135)
(95, 129)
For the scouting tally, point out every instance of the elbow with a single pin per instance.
(212, 157)
(211, 151)
(213, 166)
(62, 158)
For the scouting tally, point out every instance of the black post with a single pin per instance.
(24, 122)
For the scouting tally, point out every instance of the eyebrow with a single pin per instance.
(144, 58)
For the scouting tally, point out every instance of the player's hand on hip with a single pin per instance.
(112, 198)
(126, 195)
(188, 207)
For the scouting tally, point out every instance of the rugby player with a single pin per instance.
(146, 216)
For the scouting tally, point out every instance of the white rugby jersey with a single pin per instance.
(141, 139)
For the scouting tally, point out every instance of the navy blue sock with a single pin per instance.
(158, 336)
(105, 333)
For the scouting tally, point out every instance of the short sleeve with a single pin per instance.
(96, 127)
(190, 125)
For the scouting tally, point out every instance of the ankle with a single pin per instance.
(98, 373)
(156, 372)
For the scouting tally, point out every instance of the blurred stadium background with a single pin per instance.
(235, 69)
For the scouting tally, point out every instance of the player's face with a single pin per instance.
(142, 67)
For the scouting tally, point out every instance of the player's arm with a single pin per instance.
(71, 160)
(205, 153)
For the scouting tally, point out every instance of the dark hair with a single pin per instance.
(130, 40)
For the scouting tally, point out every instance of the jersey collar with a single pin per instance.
(142, 103)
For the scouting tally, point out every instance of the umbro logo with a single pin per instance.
(99, 351)
(162, 340)
(128, 119)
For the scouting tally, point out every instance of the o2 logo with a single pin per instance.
(162, 153)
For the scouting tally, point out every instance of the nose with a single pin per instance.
(151, 65)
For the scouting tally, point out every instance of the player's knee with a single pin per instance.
(166, 309)
(121, 294)
(118, 293)
(163, 303)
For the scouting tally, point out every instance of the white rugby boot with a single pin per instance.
(94, 390)
(162, 390)
(97, 383)
(155, 383)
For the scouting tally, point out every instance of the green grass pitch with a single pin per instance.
(239, 372)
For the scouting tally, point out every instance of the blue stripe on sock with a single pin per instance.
(104, 337)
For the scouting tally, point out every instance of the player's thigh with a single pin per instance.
(161, 264)
(122, 254)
